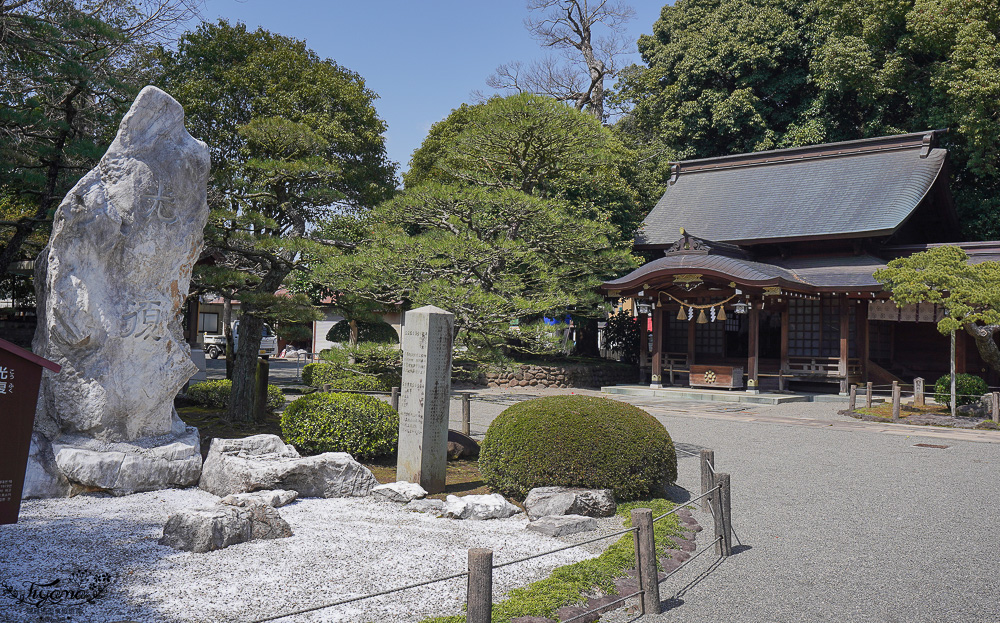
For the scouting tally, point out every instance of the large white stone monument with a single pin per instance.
(425, 398)
(110, 286)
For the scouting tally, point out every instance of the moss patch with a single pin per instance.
(566, 585)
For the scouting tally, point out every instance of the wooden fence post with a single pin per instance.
(852, 402)
(895, 401)
(718, 518)
(707, 477)
(918, 392)
(327, 387)
(645, 560)
(726, 510)
(394, 398)
(671, 372)
(781, 380)
(260, 400)
(996, 407)
(868, 395)
(466, 415)
(479, 597)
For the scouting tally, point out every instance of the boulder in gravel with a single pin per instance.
(265, 462)
(206, 529)
(561, 525)
(982, 408)
(492, 506)
(547, 501)
(401, 491)
(274, 499)
(125, 467)
(431, 507)
(42, 478)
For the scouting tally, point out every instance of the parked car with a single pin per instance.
(215, 344)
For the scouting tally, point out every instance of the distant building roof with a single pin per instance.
(854, 189)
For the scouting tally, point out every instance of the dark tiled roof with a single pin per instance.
(800, 274)
(839, 190)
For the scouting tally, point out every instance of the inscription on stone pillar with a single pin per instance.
(425, 396)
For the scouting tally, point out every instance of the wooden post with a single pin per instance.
(868, 395)
(852, 402)
(671, 371)
(753, 349)
(781, 380)
(718, 519)
(643, 346)
(996, 407)
(260, 400)
(394, 398)
(918, 392)
(692, 325)
(783, 366)
(861, 324)
(645, 560)
(895, 401)
(466, 415)
(726, 511)
(707, 477)
(845, 332)
(327, 387)
(656, 378)
(479, 596)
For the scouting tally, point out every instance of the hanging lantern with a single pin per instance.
(740, 308)
(680, 314)
(722, 312)
(643, 307)
(701, 317)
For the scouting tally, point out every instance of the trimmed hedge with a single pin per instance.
(215, 394)
(969, 387)
(320, 374)
(363, 426)
(577, 441)
(378, 331)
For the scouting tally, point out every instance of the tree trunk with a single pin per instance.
(985, 343)
(227, 330)
(241, 400)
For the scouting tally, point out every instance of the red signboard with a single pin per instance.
(20, 374)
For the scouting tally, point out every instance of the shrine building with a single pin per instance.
(767, 262)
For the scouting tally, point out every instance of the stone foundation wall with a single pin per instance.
(570, 375)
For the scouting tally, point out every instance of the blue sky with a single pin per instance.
(422, 57)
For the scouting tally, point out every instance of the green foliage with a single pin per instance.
(364, 426)
(733, 76)
(377, 331)
(216, 394)
(969, 388)
(622, 334)
(368, 358)
(320, 374)
(541, 338)
(567, 584)
(577, 441)
(970, 293)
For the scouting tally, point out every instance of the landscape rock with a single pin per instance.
(561, 525)
(207, 529)
(546, 501)
(265, 462)
(42, 478)
(461, 446)
(982, 408)
(125, 467)
(274, 499)
(492, 506)
(112, 281)
(431, 507)
(402, 491)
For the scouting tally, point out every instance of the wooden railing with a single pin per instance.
(822, 367)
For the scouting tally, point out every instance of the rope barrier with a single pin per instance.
(353, 599)
(679, 507)
(595, 610)
(685, 563)
(553, 551)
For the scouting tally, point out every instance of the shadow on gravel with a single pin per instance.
(739, 549)
(677, 495)
(675, 600)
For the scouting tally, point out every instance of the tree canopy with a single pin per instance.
(969, 293)
(733, 76)
(295, 139)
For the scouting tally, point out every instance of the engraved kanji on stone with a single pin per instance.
(143, 321)
(162, 198)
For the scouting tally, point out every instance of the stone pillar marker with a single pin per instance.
(425, 398)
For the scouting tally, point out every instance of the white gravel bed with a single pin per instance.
(340, 548)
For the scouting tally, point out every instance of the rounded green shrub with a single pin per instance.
(361, 425)
(577, 441)
(316, 374)
(320, 374)
(969, 388)
(215, 394)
